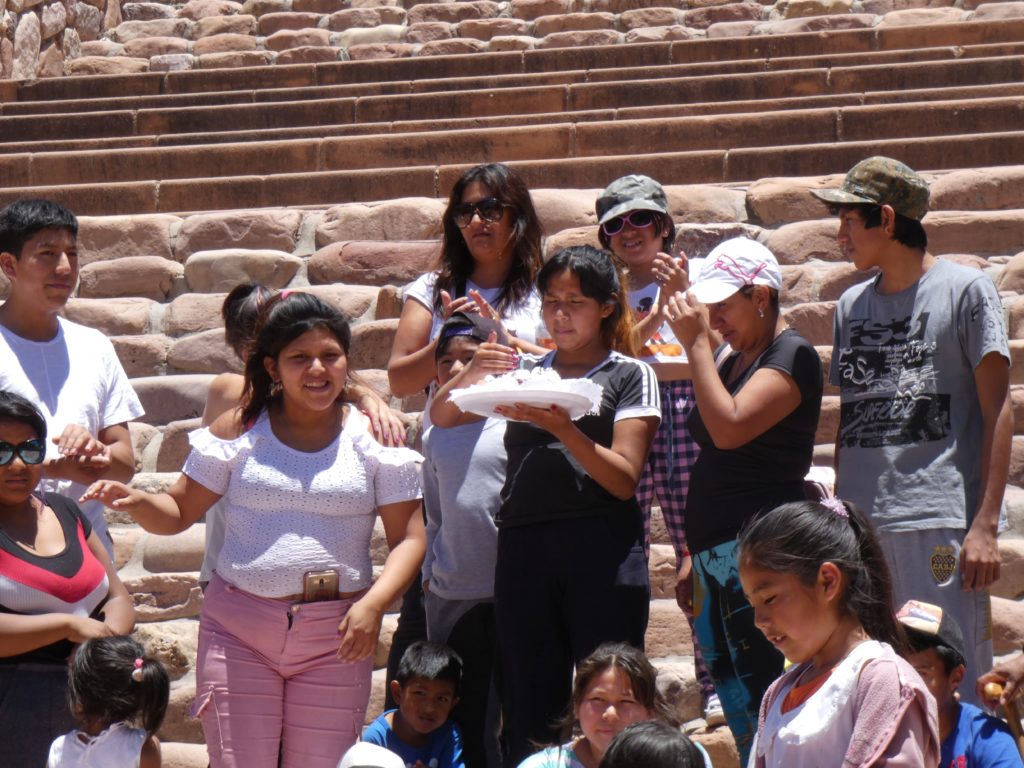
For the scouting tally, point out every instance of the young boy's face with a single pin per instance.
(47, 270)
(456, 356)
(930, 667)
(424, 704)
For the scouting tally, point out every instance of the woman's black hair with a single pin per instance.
(634, 665)
(16, 408)
(651, 744)
(600, 279)
(104, 688)
(456, 264)
(284, 318)
(661, 220)
(241, 313)
(799, 537)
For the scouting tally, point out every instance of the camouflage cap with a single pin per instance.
(881, 181)
(631, 193)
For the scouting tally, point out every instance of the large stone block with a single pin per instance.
(488, 29)
(661, 567)
(981, 233)
(88, 21)
(51, 60)
(567, 22)
(453, 13)
(372, 263)
(274, 22)
(813, 321)
(364, 17)
(353, 301)
(702, 18)
(1007, 625)
(368, 51)
(582, 38)
(501, 43)
(179, 725)
(146, 11)
(409, 218)
(173, 643)
(677, 683)
(103, 65)
(223, 44)
(27, 41)
(111, 237)
(706, 203)
(978, 189)
(201, 9)
(797, 9)
(912, 17)
(115, 317)
(148, 47)
(840, 277)
(236, 59)
(172, 398)
(143, 355)
(240, 24)
(429, 31)
(534, 9)
(180, 553)
(203, 352)
(381, 35)
(668, 632)
(560, 209)
(661, 34)
(53, 19)
(125, 537)
(174, 449)
(222, 270)
(176, 754)
(164, 596)
(298, 38)
(640, 18)
(568, 238)
(192, 312)
(146, 276)
(1010, 584)
(371, 344)
(998, 12)
(776, 201)
(264, 229)
(803, 240)
(132, 30)
(698, 240)
(720, 746)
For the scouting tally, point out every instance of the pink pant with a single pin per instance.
(268, 681)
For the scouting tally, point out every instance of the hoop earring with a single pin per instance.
(275, 388)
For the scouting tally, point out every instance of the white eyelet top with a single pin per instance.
(288, 512)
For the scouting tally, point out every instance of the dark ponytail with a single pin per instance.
(800, 536)
(111, 680)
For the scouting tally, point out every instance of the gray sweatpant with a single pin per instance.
(926, 566)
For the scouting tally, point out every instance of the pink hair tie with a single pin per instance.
(836, 506)
(137, 672)
(286, 293)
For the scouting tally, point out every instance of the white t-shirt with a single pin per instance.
(521, 321)
(663, 346)
(75, 378)
(288, 511)
(119, 745)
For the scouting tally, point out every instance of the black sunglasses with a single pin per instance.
(636, 219)
(489, 209)
(31, 451)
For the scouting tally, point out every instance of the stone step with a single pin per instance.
(483, 64)
(736, 148)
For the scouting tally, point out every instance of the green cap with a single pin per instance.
(881, 181)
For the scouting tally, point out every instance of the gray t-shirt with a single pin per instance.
(910, 430)
(462, 479)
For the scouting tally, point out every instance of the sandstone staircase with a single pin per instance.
(259, 160)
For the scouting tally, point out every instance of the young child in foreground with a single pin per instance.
(652, 744)
(614, 688)
(971, 738)
(119, 698)
(426, 689)
(817, 579)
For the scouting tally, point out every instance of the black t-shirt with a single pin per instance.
(545, 482)
(728, 487)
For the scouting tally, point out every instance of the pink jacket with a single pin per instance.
(895, 718)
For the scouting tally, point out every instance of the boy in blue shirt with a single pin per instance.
(426, 689)
(970, 737)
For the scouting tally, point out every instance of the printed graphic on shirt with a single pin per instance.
(888, 374)
(663, 346)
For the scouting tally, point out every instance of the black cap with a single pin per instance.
(931, 626)
(468, 324)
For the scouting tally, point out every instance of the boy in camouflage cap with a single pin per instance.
(922, 362)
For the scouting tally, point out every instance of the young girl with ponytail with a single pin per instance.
(119, 697)
(571, 570)
(821, 592)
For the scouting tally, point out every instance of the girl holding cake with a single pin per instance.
(571, 570)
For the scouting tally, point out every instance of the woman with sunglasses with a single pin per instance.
(490, 256)
(635, 225)
(58, 588)
(758, 400)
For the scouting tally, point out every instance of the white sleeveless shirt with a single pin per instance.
(119, 745)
